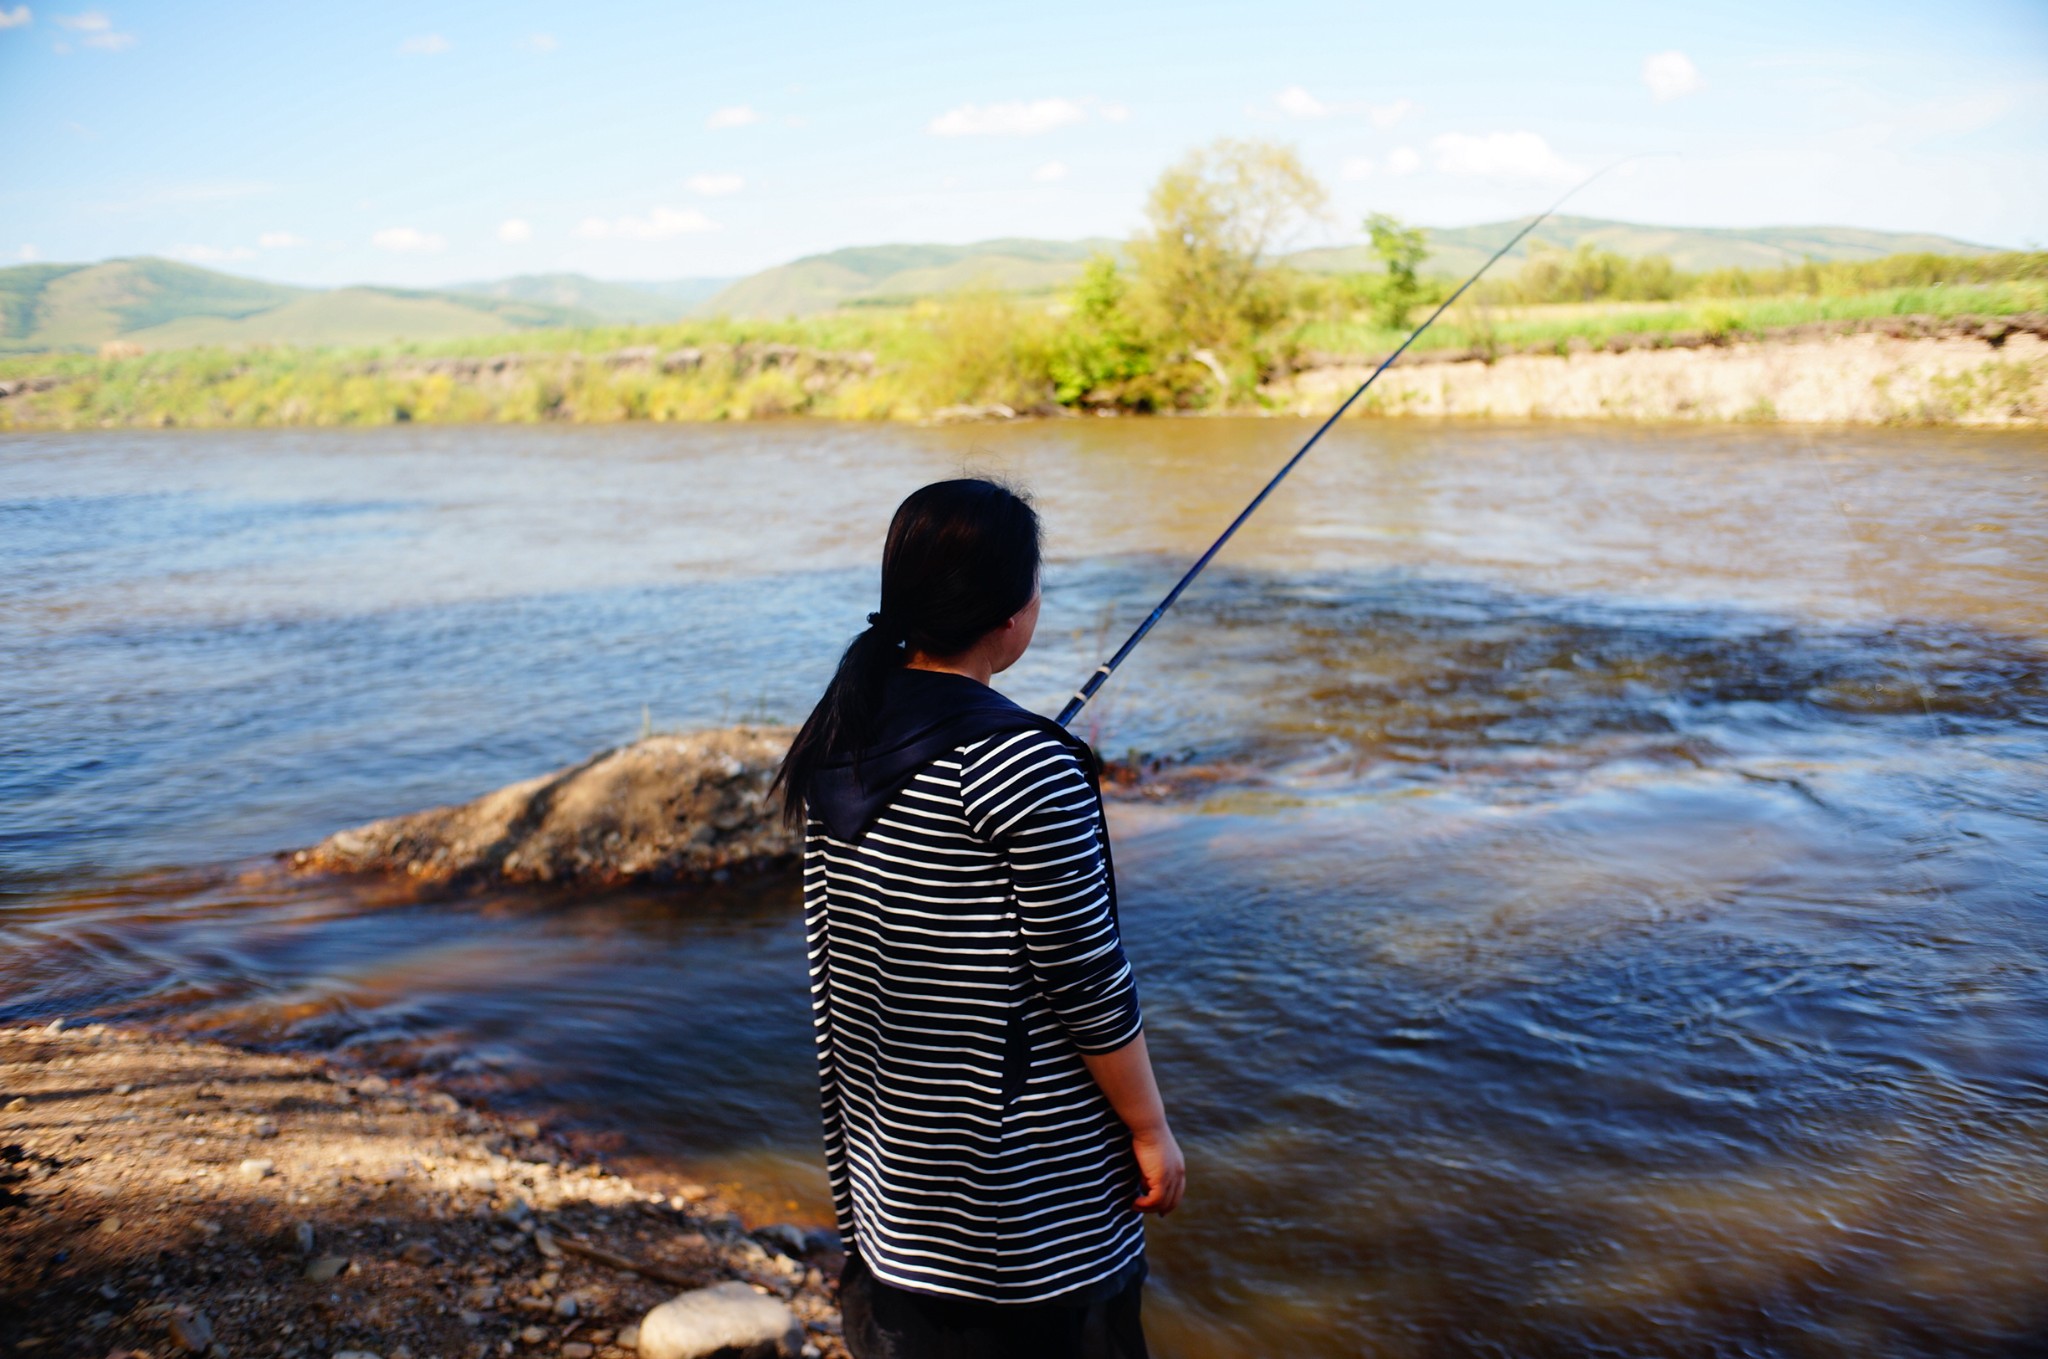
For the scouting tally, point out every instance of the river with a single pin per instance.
(1596, 907)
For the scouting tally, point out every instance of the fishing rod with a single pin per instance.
(1108, 667)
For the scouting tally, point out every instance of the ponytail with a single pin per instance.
(961, 558)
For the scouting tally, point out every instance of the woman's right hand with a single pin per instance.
(1160, 1163)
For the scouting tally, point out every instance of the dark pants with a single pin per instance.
(886, 1322)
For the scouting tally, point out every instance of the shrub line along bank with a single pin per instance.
(752, 379)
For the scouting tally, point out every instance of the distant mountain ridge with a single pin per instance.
(650, 303)
(160, 303)
(1460, 250)
(877, 273)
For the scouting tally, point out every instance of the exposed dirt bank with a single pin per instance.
(663, 809)
(162, 1196)
(1978, 376)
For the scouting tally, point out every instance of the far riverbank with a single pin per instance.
(1961, 371)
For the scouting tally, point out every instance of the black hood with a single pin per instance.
(925, 713)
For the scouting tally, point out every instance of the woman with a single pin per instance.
(992, 1127)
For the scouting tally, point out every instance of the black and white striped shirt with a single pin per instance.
(963, 955)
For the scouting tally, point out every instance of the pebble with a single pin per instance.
(326, 1267)
(207, 1228)
(259, 1167)
(18, 1102)
(628, 1337)
(544, 1242)
(419, 1253)
(784, 1237)
(565, 1308)
(125, 1088)
(191, 1331)
(266, 1127)
(724, 1318)
(110, 1225)
(303, 1235)
(576, 1349)
(533, 1335)
(353, 1354)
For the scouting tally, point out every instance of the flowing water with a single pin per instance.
(1597, 906)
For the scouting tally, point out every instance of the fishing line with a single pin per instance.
(1109, 667)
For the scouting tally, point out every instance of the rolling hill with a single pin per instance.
(162, 304)
(650, 303)
(894, 273)
(1460, 250)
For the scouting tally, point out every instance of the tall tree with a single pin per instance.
(1213, 220)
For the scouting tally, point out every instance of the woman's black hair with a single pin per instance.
(960, 560)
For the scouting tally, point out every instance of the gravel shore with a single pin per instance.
(163, 1196)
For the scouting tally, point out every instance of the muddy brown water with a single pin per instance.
(1621, 930)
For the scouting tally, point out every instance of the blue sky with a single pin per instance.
(426, 143)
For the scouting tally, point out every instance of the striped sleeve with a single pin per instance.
(818, 939)
(1024, 794)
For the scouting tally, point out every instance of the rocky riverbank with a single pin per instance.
(163, 1197)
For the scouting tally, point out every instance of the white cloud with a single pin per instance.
(714, 186)
(1296, 102)
(1403, 160)
(28, 252)
(16, 17)
(659, 224)
(1115, 113)
(1670, 75)
(1014, 118)
(212, 254)
(541, 42)
(515, 230)
(424, 45)
(1501, 155)
(1387, 115)
(98, 29)
(1358, 167)
(732, 115)
(408, 241)
(281, 240)
(1051, 172)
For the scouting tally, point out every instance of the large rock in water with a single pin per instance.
(728, 1320)
(664, 809)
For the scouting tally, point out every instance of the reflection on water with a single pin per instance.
(1619, 930)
